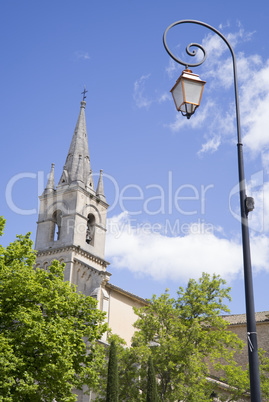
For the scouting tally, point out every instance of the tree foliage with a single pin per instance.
(128, 373)
(190, 346)
(152, 395)
(264, 374)
(48, 332)
(189, 340)
(112, 394)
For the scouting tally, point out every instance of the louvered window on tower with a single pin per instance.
(90, 229)
(57, 222)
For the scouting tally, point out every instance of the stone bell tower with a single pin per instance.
(71, 224)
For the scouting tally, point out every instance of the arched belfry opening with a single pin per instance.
(57, 222)
(90, 232)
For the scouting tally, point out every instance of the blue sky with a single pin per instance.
(171, 182)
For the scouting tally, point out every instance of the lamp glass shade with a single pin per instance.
(177, 93)
(187, 92)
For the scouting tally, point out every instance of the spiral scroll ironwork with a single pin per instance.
(192, 52)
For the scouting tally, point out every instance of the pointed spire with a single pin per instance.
(50, 187)
(100, 187)
(77, 165)
(90, 183)
(79, 173)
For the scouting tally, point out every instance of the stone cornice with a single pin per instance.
(69, 188)
(77, 249)
(92, 268)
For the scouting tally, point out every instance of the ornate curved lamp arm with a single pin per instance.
(244, 202)
(194, 52)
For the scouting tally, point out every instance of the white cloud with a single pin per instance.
(222, 26)
(143, 101)
(196, 121)
(259, 218)
(172, 68)
(240, 36)
(260, 252)
(211, 145)
(214, 46)
(82, 55)
(164, 97)
(139, 89)
(255, 106)
(150, 253)
(265, 160)
(220, 75)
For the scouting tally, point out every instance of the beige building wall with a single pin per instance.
(239, 327)
(121, 316)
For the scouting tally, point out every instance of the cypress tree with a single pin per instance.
(112, 393)
(152, 395)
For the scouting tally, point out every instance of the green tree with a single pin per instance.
(112, 394)
(152, 395)
(189, 341)
(264, 377)
(48, 332)
(128, 373)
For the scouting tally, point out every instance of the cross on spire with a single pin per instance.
(84, 93)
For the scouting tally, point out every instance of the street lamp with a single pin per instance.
(246, 203)
(187, 92)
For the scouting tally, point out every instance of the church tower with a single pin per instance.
(71, 228)
(71, 224)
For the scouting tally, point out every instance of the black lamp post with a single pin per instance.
(187, 100)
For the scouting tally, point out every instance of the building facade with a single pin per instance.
(71, 228)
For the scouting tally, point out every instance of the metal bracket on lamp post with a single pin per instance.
(246, 205)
